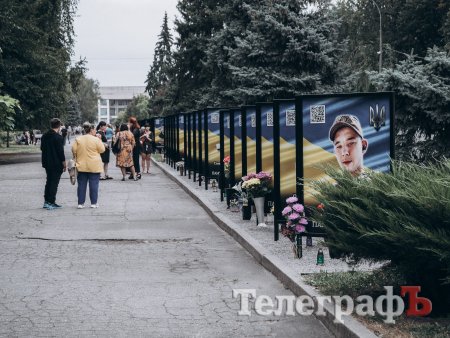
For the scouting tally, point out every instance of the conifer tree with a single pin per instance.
(222, 43)
(158, 76)
(198, 23)
(422, 87)
(286, 50)
(36, 38)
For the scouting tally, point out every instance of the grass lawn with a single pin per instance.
(358, 283)
(22, 149)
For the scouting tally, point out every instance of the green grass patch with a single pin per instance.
(21, 149)
(357, 283)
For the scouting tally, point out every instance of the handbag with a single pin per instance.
(116, 146)
(73, 172)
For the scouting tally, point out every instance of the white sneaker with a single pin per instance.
(95, 206)
(80, 206)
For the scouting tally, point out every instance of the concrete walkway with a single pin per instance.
(148, 262)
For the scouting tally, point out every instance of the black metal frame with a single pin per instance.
(222, 154)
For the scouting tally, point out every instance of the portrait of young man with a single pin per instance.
(349, 143)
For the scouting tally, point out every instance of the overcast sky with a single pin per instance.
(117, 38)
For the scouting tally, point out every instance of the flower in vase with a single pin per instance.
(286, 211)
(292, 200)
(294, 213)
(300, 228)
(257, 185)
(298, 208)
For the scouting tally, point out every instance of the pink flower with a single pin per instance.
(249, 177)
(286, 211)
(292, 200)
(264, 176)
(303, 221)
(289, 223)
(300, 228)
(294, 216)
(298, 208)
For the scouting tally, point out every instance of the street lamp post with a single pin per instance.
(380, 52)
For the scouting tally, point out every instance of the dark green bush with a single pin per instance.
(403, 217)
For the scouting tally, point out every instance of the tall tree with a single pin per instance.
(408, 26)
(87, 96)
(36, 38)
(287, 49)
(138, 107)
(422, 87)
(158, 76)
(198, 23)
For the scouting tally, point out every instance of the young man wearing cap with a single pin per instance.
(349, 143)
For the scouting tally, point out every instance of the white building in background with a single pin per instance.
(114, 100)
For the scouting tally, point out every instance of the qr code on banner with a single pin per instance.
(290, 117)
(215, 118)
(317, 114)
(270, 119)
(253, 119)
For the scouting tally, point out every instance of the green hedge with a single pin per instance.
(403, 217)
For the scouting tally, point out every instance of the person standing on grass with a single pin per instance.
(54, 162)
(86, 151)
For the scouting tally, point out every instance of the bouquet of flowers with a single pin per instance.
(294, 213)
(226, 162)
(257, 185)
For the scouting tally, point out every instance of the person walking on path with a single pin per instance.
(136, 130)
(124, 158)
(146, 149)
(86, 151)
(101, 130)
(64, 134)
(109, 133)
(54, 162)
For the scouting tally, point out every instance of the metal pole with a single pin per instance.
(380, 52)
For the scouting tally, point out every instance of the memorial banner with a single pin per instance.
(226, 121)
(213, 117)
(287, 144)
(200, 143)
(159, 131)
(237, 144)
(180, 136)
(350, 131)
(189, 141)
(250, 126)
(267, 138)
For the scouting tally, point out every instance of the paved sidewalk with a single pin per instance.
(148, 262)
(276, 257)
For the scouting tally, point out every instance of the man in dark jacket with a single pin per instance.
(54, 162)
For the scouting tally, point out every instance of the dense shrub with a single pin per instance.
(403, 217)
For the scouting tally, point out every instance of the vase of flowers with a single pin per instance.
(245, 205)
(257, 187)
(294, 213)
(270, 216)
